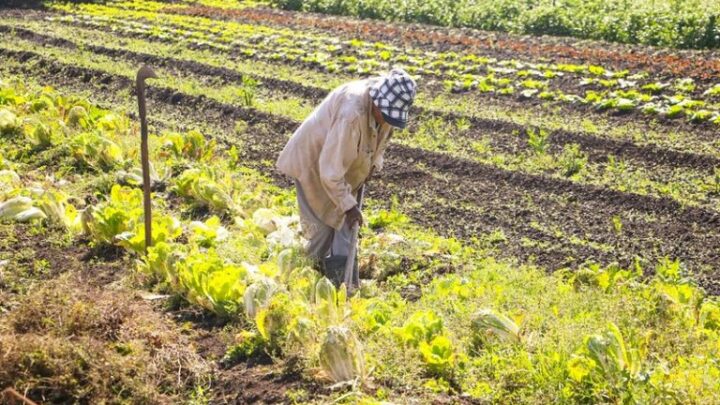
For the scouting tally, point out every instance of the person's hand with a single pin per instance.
(369, 176)
(352, 216)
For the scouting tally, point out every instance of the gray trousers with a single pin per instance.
(324, 241)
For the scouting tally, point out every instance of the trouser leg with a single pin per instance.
(341, 245)
(319, 236)
(341, 241)
(324, 240)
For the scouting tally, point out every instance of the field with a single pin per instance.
(545, 231)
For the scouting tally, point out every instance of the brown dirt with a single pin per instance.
(100, 267)
(95, 269)
(66, 336)
(263, 384)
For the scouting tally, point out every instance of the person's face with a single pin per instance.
(378, 115)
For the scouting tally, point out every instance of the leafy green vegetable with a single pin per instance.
(488, 323)
(59, 211)
(9, 123)
(208, 233)
(341, 355)
(438, 355)
(202, 186)
(258, 295)
(13, 207)
(422, 326)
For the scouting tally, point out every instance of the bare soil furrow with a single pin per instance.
(498, 197)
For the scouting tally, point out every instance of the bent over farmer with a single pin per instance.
(334, 152)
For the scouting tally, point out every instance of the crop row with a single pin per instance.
(464, 332)
(691, 24)
(430, 62)
(314, 85)
(596, 87)
(265, 146)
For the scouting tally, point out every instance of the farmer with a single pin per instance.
(335, 151)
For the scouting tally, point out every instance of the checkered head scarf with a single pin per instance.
(393, 95)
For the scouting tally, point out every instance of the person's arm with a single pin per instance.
(338, 153)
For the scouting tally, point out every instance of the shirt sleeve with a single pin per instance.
(338, 153)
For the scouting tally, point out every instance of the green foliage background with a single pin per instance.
(676, 23)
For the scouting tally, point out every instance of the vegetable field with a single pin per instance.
(546, 230)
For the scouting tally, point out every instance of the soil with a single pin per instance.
(457, 197)
(262, 385)
(98, 267)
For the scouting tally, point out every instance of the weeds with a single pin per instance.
(572, 160)
(248, 91)
(69, 342)
(538, 140)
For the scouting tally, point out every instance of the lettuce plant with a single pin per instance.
(9, 182)
(207, 234)
(438, 355)
(341, 355)
(204, 187)
(258, 295)
(39, 133)
(93, 150)
(488, 323)
(9, 123)
(422, 326)
(20, 209)
(59, 211)
(190, 145)
(119, 214)
(212, 283)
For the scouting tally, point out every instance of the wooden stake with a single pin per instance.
(145, 73)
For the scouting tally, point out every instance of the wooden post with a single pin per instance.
(145, 73)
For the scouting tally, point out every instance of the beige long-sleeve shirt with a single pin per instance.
(332, 152)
